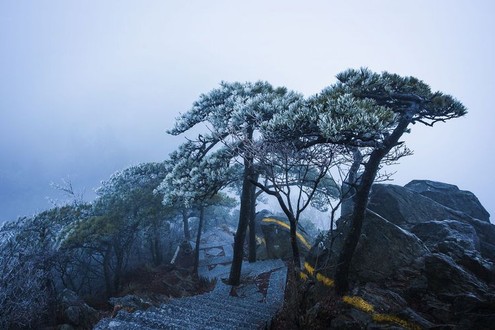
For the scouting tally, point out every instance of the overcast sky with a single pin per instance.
(89, 87)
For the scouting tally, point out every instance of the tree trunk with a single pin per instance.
(156, 246)
(361, 203)
(107, 273)
(352, 238)
(185, 221)
(295, 246)
(252, 223)
(198, 239)
(119, 268)
(244, 217)
(349, 186)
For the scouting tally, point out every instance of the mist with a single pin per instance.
(89, 88)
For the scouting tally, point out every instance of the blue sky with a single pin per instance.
(89, 87)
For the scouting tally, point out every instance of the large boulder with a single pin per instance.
(274, 237)
(417, 260)
(451, 196)
(447, 278)
(407, 208)
(383, 249)
(459, 241)
(438, 234)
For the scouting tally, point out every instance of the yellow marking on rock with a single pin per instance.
(310, 269)
(283, 224)
(303, 276)
(358, 302)
(325, 280)
(387, 318)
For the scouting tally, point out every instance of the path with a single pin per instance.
(251, 305)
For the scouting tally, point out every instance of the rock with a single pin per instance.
(276, 235)
(407, 208)
(451, 196)
(419, 259)
(75, 312)
(129, 302)
(384, 299)
(383, 249)
(448, 279)
(459, 241)
(486, 234)
(434, 233)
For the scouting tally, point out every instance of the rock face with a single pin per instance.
(276, 237)
(383, 249)
(407, 208)
(437, 233)
(450, 196)
(426, 254)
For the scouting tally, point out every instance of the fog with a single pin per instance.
(90, 87)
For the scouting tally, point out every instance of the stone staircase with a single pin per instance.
(251, 305)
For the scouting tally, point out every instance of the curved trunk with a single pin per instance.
(361, 203)
(352, 238)
(295, 246)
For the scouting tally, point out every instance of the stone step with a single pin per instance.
(231, 308)
(118, 324)
(243, 306)
(216, 309)
(205, 315)
(218, 315)
(160, 319)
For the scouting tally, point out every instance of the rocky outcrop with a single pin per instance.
(407, 208)
(383, 249)
(436, 234)
(451, 196)
(423, 259)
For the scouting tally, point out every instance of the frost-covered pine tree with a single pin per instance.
(232, 114)
(194, 182)
(371, 112)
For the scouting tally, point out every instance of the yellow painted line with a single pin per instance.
(310, 269)
(325, 280)
(358, 302)
(303, 276)
(283, 224)
(394, 319)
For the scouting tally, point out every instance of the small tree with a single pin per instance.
(293, 176)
